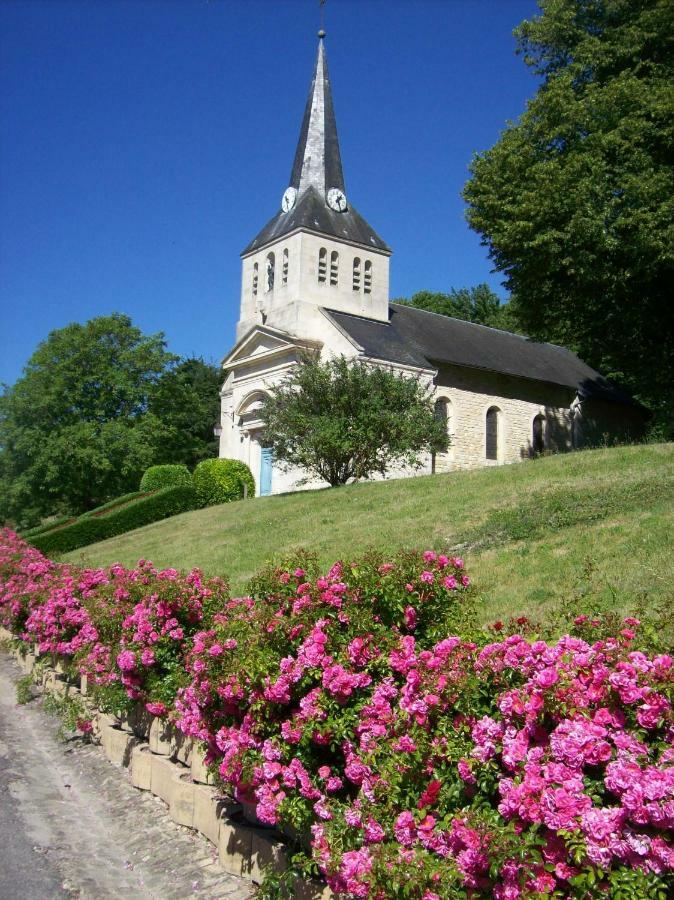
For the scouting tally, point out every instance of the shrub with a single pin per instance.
(134, 514)
(221, 481)
(48, 526)
(113, 504)
(157, 477)
(411, 757)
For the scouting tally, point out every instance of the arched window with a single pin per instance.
(322, 265)
(334, 267)
(255, 277)
(367, 277)
(284, 272)
(492, 436)
(538, 435)
(356, 274)
(271, 263)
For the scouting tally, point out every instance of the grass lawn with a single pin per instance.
(597, 523)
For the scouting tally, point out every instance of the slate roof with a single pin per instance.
(424, 339)
(312, 213)
(317, 167)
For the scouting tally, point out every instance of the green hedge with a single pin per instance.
(89, 529)
(221, 481)
(157, 477)
(47, 526)
(113, 504)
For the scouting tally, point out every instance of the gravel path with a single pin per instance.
(72, 825)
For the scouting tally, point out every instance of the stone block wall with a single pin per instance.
(472, 392)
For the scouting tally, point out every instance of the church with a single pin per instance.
(316, 278)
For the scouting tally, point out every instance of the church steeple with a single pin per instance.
(315, 199)
(318, 161)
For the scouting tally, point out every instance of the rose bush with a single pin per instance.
(409, 753)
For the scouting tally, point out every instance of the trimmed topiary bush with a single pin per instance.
(114, 503)
(58, 522)
(158, 477)
(221, 481)
(146, 509)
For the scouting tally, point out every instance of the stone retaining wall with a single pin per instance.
(163, 761)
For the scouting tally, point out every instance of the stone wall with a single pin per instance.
(288, 304)
(472, 392)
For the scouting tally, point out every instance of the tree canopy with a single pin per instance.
(186, 400)
(476, 304)
(574, 201)
(342, 420)
(96, 405)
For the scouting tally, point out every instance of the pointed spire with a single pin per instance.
(318, 162)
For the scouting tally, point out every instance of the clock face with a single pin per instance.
(336, 200)
(288, 200)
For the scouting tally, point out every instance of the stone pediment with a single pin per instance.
(262, 343)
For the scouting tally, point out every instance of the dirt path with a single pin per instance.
(72, 825)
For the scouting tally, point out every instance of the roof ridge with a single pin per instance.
(431, 312)
(523, 337)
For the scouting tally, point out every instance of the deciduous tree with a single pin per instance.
(574, 200)
(186, 400)
(477, 304)
(75, 429)
(342, 420)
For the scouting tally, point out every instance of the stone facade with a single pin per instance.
(297, 293)
(472, 393)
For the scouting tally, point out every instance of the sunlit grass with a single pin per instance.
(596, 523)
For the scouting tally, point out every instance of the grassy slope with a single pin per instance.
(597, 523)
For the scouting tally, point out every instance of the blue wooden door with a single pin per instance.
(266, 461)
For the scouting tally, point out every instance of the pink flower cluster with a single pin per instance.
(338, 707)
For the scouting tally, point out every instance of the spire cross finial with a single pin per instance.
(321, 32)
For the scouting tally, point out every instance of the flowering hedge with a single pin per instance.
(409, 753)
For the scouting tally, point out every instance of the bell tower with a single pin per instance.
(317, 250)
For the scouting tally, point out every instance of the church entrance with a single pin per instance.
(266, 464)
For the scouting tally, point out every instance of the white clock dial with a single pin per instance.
(336, 200)
(289, 198)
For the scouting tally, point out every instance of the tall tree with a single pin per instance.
(574, 201)
(186, 400)
(476, 304)
(342, 420)
(75, 429)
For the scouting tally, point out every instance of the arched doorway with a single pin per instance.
(253, 452)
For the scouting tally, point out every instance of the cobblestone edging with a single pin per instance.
(164, 763)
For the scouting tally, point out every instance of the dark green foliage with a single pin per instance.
(54, 522)
(477, 304)
(114, 504)
(221, 481)
(340, 420)
(157, 477)
(574, 201)
(74, 429)
(186, 400)
(134, 514)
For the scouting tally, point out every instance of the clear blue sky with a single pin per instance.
(145, 142)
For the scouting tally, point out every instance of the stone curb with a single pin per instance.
(172, 768)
